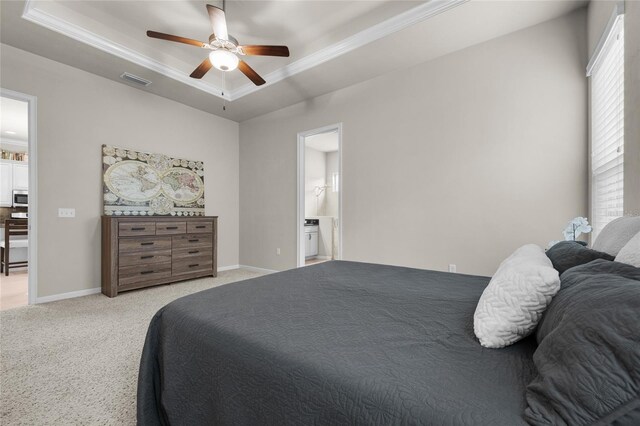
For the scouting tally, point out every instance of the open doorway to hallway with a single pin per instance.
(319, 195)
(17, 128)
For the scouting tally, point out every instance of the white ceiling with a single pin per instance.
(324, 142)
(310, 26)
(14, 119)
(333, 44)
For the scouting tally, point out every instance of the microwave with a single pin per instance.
(20, 199)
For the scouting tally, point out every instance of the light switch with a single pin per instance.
(66, 213)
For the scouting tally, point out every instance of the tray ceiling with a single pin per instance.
(333, 44)
(310, 28)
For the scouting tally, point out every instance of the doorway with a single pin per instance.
(319, 209)
(17, 199)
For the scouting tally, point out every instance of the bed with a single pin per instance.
(335, 343)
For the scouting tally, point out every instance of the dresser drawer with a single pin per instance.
(199, 264)
(195, 227)
(168, 228)
(144, 244)
(130, 229)
(144, 258)
(143, 273)
(187, 253)
(192, 241)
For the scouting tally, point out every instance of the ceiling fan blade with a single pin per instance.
(249, 72)
(218, 22)
(266, 50)
(169, 37)
(202, 69)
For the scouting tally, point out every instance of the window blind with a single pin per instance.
(607, 130)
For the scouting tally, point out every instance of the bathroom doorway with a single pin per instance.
(319, 210)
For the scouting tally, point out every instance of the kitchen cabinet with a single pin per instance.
(20, 177)
(6, 183)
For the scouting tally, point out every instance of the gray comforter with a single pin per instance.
(335, 343)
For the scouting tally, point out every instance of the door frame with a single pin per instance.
(300, 216)
(32, 102)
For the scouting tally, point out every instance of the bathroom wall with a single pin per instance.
(315, 172)
(332, 199)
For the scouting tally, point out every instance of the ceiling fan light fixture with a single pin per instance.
(223, 60)
(224, 49)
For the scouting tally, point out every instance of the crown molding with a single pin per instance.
(51, 22)
(376, 32)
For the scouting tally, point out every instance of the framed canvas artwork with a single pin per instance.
(143, 184)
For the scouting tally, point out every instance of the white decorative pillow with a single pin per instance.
(616, 234)
(516, 297)
(630, 253)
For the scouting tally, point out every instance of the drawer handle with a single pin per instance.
(200, 226)
(147, 244)
(193, 241)
(194, 251)
(139, 228)
(195, 264)
(146, 272)
(172, 227)
(146, 257)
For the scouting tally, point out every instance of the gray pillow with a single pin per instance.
(588, 357)
(567, 254)
(616, 234)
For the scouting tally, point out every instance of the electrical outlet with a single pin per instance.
(67, 213)
(278, 251)
(452, 268)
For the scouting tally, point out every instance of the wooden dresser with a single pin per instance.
(141, 252)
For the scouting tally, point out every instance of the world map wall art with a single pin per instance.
(143, 184)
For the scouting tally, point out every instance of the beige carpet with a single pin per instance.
(75, 362)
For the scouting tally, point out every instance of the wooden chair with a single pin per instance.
(13, 227)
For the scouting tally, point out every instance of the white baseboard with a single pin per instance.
(96, 290)
(255, 269)
(228, 268)
(69, 295)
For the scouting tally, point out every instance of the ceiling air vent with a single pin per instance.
(135, 79)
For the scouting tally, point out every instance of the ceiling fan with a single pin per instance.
(224, 48)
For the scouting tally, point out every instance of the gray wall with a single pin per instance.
(458, 160)
(632, 108)
(598, 15)
(77, 113)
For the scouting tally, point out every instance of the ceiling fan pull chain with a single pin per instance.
(224, 100)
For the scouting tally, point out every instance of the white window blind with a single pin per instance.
(607, 130)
